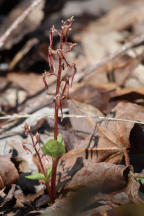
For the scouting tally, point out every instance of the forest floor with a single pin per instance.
(102, 171)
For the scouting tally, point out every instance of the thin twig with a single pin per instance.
(17, 116)
(115, 54)
(18, 21)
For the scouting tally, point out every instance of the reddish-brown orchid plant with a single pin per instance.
(61, 92)
(57, 59)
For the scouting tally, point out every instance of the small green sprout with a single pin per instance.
(40, 176)
(54, 148)
(141, 179)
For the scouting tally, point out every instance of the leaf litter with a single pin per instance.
(95, 176)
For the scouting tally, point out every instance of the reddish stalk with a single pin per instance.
(57, 106)
(56, 99)
(53, 179)
(64, 48)
(27, 129)
(56, 122)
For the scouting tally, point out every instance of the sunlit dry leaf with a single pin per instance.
(85, 124)
(31, 82)
(122, 69)
(94, 42)
(122, 17)
(137, 78)
(11, 96)
(129, 94)
(116, 133)
(110, 138)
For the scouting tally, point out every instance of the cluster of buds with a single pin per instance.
(64, 48)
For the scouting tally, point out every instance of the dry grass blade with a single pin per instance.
(25, 115)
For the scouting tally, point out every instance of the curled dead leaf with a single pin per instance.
(116, 133)
(79, 173)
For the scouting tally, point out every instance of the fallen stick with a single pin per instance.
(18, 21)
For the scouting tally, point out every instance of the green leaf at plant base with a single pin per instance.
(48, 174)
(36, 176)
(140, 179)
(54, 148)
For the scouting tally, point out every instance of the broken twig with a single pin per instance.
(18, 21)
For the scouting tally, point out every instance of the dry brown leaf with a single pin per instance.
(121, 92)
(123, 16)
(94, 36)
(117, 132)
(86, 124)
(136, 80)
(31, 82)
(110, 138)
(94, 42)
(8, 172)
(112, 134)
(104, 177)
(96, 94)
(12, 96)
(92, 184)
(123, 68)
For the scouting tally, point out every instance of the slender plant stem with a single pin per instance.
(53, 183)
(48, 189)
(56, 100)
(55, 162)
(41, 164)
(56, 121)
(37, 153)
